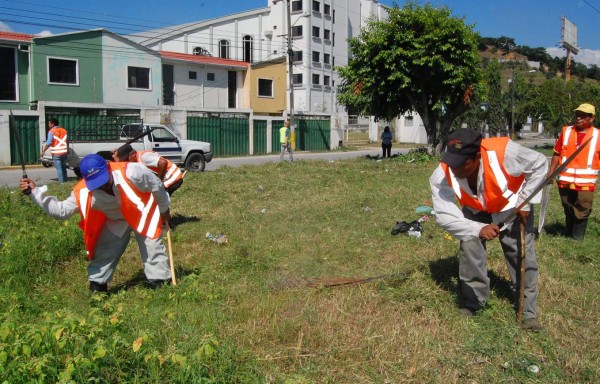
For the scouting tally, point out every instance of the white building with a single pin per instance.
(320, 31)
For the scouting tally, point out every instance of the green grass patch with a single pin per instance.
(242, 312)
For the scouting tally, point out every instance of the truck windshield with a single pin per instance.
(162, 135)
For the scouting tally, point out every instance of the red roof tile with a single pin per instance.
(24, 37)
(203, 59)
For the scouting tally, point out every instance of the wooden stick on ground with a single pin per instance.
(521, 302)
(170, 248)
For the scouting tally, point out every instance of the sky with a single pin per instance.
(535, 23)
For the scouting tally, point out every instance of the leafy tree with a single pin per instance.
(496, 103)
(420, 58)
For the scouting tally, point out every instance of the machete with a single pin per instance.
(13, 127)
(137, 137)
(543, 209)
(541, 186)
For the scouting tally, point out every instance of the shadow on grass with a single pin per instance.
(178, 219)
(139, 280)
(445, 274)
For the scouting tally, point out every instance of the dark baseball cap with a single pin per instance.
(94, 171)
(124, 151)
(462, 145)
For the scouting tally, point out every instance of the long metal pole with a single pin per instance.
(512, 103)
(290, 52)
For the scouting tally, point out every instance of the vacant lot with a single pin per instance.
(253, 310)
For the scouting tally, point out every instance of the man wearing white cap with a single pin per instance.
(577, 183)
(114, 199)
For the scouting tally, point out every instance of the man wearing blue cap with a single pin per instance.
(489, 178)
(114, 199)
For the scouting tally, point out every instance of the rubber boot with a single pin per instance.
(568, 223)
(97, 287)
(579, 227)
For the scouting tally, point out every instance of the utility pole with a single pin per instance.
(290, 60)
(290, 57)
(512, 103)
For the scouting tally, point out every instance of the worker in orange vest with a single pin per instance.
(168, 172)
(577, 183)
(114, 200)
(57, 142)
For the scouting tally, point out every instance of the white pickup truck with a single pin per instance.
(189, 154)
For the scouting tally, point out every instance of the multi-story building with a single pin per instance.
(319, 31)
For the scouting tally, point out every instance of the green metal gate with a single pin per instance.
(29, 132)
(276, 125)
(92, 127)
(227, 135)
(260, 137)
(313, 135)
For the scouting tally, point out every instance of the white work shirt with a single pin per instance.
(140, 176)
(518, 160)
(150, 159)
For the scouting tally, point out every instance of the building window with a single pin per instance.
(315, 56)
(316, 6)
(315, 79)
(333, 18)
(326, 58)
(297, 56)
(224, 49)
(138, 78)
(200, 51)
(265, 88)
(210, 76)
(297, 78)
(333, 40)
(63, 71)
(247, 41)
(333, 61)
(326, 80)
(316, 32)
(327, 9)
(8, 74)
(192, 75)
(297, 31)
(326, 34)
(296, 5)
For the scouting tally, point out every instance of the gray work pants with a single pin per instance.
(472, 270)
(286, 147)
(110, 248)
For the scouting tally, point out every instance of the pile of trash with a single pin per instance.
(413, 229)
(219, 238)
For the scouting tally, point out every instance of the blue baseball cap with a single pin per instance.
(94, 171)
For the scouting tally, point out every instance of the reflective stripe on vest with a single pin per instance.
(501, 189)
(59, 141)
(139, 208)
(172, 175)
(91, 220)
(583, 170)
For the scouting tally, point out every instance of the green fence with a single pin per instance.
(260, 137)
(311, 134)
(228, 136)
(29, 132)
(93, 127)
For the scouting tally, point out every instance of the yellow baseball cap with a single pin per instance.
(587, 108)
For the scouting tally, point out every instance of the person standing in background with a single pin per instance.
(284, 140)
(577, 183)
(386, 142)
(57, 142)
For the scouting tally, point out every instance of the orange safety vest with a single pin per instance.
(582, 171)
(59, 141)
(172, 175)
(139, 209)
(501, 189)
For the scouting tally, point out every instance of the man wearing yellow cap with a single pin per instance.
(577, 183)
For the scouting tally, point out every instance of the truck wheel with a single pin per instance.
(195, 162)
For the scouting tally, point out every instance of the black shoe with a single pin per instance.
(154, 284)
(97, 287)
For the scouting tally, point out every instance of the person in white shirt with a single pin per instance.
(114, 200)
(489, 178)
